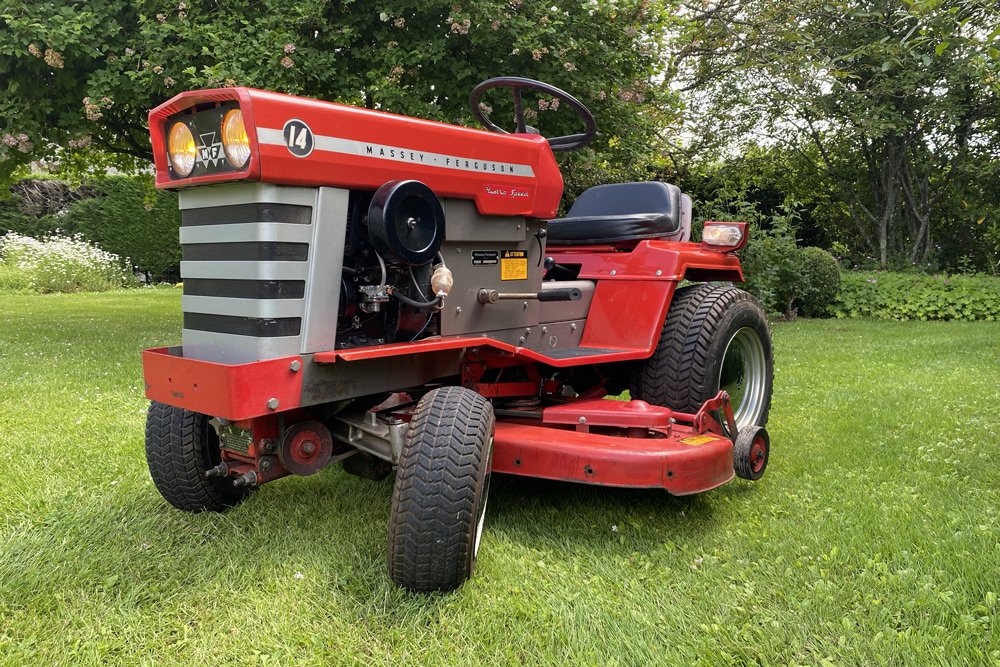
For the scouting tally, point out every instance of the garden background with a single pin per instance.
(860, 139)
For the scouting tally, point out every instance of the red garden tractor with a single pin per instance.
(387, 292)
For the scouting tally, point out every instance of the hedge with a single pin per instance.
(124, 215)
(905, 296)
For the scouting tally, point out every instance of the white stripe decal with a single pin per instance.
(397, 154)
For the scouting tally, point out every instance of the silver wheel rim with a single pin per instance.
(743, 375)
(479, 529)
(482, 506)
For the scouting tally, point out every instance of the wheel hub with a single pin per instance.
(305, 448)
(743, 375)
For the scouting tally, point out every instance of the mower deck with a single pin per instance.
(676, 458)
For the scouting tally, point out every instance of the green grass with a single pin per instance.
(872, 540)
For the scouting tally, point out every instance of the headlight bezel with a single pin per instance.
(724, 236)
(182, 159)
(235, 139)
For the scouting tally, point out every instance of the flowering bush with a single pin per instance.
(59, 263)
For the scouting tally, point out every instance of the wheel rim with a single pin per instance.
(481, 519)
(758, 455)
(743, 375)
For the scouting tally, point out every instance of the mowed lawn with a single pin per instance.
(872, 540)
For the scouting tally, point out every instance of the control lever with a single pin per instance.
(486, 296)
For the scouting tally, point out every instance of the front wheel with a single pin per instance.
(715, 338)
(180, 446)
(439, 497)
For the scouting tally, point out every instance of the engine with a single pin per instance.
(394, 277)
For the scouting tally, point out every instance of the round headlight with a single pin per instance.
(181, 149)
(234, 139)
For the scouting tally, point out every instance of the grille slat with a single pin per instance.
(245, 289)
(258, 327)
(246, 251)
(256, 212)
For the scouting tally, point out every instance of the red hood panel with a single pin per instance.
(362, 149)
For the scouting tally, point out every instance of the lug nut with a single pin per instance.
(220, 470)
(249, 479)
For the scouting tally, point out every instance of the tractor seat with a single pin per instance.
(623, 212)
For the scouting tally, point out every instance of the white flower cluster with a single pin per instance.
(58, 263)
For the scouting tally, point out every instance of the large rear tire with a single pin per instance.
(715, 337)
(180, 446)
(439, 497)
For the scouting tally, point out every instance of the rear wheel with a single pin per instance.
(180, 446)
(715, 338)
(439, 497)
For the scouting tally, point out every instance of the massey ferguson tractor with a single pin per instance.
(390, 293)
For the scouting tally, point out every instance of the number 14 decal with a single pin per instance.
(298, 138)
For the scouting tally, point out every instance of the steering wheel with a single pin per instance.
(568, 142)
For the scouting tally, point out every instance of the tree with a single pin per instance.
(88, 72)
(892, 104)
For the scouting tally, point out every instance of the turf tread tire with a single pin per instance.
(179, 449)
(680, 374)
(441, 483)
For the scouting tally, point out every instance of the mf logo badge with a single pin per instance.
(210, 151)
(298, 138)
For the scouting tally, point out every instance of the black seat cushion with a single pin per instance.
(619, 212)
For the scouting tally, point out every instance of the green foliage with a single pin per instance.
(86, 74)
(13, 279)
(908, 296)
(124, 215)
(775, 271)
(821, 276)
(888, 110)
(133, 219)
(785, 278)
(62, 264)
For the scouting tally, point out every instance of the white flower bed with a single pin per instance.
(59, 263)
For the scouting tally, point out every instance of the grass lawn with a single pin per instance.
(872, 540)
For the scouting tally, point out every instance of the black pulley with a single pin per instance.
(406, 222)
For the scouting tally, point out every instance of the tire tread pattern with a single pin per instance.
(177, 455)
(437, 490)
(676, 375)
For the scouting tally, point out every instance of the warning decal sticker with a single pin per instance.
(696, 440)
(514, 265)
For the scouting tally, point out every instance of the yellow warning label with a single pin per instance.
(696, 440)
(514, 265)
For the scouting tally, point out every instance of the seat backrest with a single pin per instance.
(629, 199)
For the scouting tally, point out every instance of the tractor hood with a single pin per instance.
(234, 134)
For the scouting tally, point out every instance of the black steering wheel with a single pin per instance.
(568, 142)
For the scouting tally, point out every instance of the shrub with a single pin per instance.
(774, 271)
(124, 215)
(905, 296)
(132, 219)
(821, 281)
(13, 279)
(63, 264)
